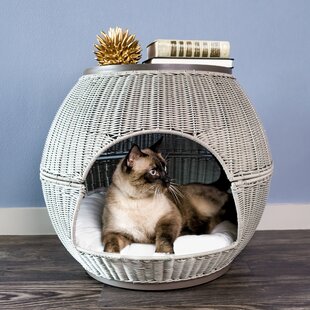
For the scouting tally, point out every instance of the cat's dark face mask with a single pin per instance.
(158, 174)
(147, 166)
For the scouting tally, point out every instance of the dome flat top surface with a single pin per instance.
(150, 67)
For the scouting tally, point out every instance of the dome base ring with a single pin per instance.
(173, 285)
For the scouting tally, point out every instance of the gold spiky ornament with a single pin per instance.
(117, 47)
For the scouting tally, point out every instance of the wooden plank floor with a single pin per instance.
(273, 272)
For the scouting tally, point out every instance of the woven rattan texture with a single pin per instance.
(105, 109)
(209, 107)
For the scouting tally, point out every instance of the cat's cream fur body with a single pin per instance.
(131, 216)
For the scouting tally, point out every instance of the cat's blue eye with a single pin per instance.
(153, 172)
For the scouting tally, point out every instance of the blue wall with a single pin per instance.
(46, 45)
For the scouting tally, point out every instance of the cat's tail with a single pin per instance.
(229, 211)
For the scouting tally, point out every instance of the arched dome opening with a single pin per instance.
(187, 162)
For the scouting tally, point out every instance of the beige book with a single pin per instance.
(189, 48)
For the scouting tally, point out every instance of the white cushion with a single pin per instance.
(88, 233)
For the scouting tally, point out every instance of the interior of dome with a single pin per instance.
(187, 162)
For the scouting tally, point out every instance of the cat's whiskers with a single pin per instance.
(176, 193)
(176, 188)
(142, 192)
(175, 196)
(166, 157)
(153, 190)
(156, 193)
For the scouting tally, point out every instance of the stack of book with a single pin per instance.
(195, 52)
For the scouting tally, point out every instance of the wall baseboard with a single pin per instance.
(284, 216)
(35, 221)
(25, 221)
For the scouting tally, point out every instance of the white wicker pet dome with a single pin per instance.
(202, 113)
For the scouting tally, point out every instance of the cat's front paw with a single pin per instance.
(111, 248)
(164, 248)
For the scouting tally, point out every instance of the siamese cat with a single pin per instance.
(143, 205)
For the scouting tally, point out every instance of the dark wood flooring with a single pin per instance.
(273, 272)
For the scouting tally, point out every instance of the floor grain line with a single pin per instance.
(273, 272)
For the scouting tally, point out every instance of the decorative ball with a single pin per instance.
(117, 47)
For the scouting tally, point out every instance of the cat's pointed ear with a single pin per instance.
(156, 145)
(133, 155)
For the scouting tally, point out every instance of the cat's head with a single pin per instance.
(146, 169)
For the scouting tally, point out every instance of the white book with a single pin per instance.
(219, 62)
